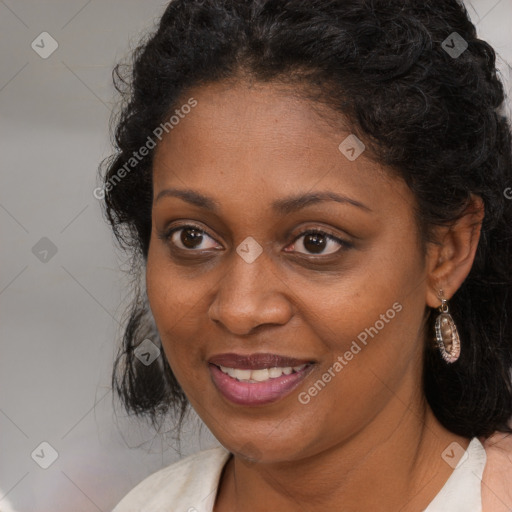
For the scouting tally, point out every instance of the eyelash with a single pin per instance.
(167, 235)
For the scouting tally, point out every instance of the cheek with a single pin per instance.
(168, 306)
(179, 306)
(370, 343)
(371, 316)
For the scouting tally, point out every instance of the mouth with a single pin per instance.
(257, 379)
(262, 374)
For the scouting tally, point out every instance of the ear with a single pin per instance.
(450, 257)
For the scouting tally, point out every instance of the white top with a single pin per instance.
(190, 485)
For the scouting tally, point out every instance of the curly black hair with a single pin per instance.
(427, 103)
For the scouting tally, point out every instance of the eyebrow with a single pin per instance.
(282, 206)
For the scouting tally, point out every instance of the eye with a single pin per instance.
(191, 238)
(316, 240)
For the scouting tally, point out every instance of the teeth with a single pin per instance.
(274, 372)
(260, 375)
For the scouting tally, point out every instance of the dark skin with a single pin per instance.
(368, 440)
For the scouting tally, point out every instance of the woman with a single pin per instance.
(315, 193)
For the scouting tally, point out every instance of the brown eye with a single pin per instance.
(316, 241)
(189, 238)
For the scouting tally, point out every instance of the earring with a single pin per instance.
(447, 336)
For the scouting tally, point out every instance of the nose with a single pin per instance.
(250, 295)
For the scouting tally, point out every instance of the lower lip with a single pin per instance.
(256, 393)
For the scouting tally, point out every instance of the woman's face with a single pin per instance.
(353, 309)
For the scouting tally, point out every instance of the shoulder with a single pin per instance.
(497, 476)
(189, 485)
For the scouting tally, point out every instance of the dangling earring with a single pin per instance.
(447, 336)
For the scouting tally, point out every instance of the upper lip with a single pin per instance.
(256, 361)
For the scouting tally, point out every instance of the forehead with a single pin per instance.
(263, 139)
(230, 119)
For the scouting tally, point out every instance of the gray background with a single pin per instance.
(60, 317)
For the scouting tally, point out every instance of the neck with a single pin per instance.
(394, 463)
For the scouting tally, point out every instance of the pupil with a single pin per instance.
(317, 240)
(187, 239)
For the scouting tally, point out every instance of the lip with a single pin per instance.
(256, 393)
(256, 361)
